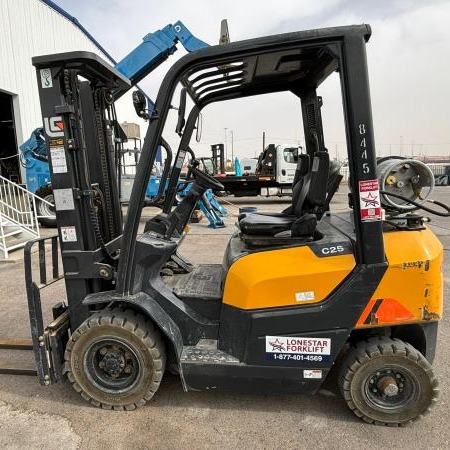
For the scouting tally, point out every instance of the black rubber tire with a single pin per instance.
(45, 192)
(136, 333)
(374, 354)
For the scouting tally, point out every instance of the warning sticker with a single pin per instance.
(304, 296)
(314, 374)
(63, 199)
(58, 157)
(68, 234)
(298, 348)
(369, 200)
(46, 78)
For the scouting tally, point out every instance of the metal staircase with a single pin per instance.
(18, 216)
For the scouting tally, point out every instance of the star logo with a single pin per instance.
(370, 200)
(277, 346)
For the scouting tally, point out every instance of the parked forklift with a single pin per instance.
(298, 292)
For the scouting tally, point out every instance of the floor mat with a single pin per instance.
(203, 282)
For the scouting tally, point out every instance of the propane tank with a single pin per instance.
(409, 178)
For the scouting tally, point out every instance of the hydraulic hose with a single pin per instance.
(421, 206)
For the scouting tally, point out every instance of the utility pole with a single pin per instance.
(232, 146)
(264, 140)
(226, 146)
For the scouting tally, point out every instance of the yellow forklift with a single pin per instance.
(298, 292)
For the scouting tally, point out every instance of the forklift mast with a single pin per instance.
(78, 119)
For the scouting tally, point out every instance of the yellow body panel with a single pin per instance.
(413, 281)
(410, 291)
(284, 277)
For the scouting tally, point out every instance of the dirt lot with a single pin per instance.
(56, 417)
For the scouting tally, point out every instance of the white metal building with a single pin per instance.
(30, 28)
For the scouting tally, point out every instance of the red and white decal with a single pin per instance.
(299, 345)
(369, 200)
(313, 374)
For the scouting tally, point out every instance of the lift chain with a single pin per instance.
(99, 105)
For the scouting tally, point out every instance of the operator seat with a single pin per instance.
(309, 196)
(300, 171)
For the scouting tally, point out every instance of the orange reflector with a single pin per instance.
(387, 310)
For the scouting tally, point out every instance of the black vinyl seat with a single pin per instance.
(309, 194)
(300, 171)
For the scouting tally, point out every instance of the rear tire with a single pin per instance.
(115, 359)
(46, 193)
(387, 382)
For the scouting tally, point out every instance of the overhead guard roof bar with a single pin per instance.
(254, 75)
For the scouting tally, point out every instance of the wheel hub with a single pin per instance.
(112, 365)
(388, 386)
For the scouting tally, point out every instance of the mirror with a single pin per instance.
(181, 110)
(140, 104)
(199, 126)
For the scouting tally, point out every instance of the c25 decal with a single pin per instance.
(333, 249)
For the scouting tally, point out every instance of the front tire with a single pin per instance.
(115, 359)
(387, 382)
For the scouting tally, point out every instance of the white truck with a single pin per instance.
(273, 174)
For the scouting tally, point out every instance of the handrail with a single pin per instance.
(18, 214)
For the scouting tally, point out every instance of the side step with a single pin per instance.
(206, 352)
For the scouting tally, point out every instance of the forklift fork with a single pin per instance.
(48, 342)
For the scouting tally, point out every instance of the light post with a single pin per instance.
(226, 145)
(232, 146)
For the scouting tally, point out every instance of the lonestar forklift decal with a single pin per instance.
(369, 199)
(300, 349)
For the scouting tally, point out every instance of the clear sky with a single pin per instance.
(408, 55)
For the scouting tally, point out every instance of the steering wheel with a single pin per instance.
(206, 180)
